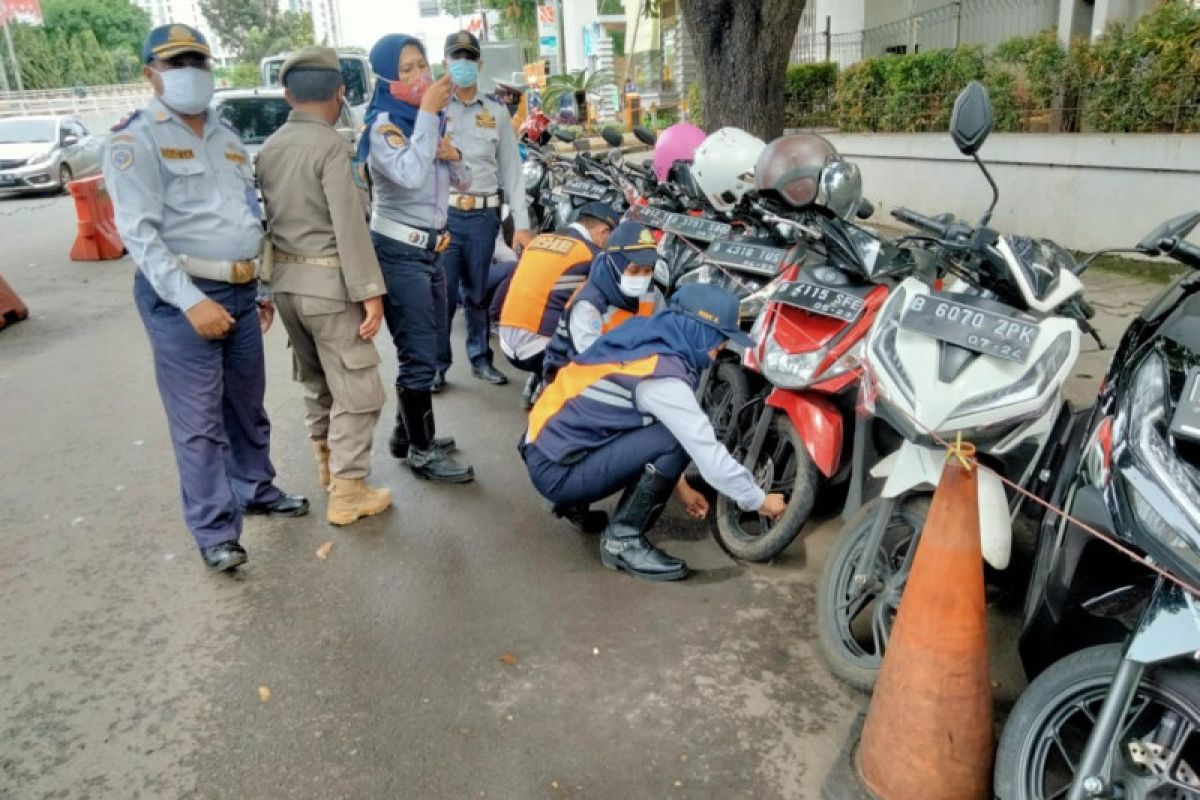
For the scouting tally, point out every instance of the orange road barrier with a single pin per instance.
(11, 307)
(98, 239)
(928, 732)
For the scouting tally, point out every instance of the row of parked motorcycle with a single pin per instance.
(871, 353)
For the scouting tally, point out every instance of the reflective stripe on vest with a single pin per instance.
(587, 380)
(552, 269)
(616, 315)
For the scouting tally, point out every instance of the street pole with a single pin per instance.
(828, 37)
(562, 45)
(12, 56)
(957, 23)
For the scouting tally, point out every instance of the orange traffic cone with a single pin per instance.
(98, 239)
(928, 731)
(11, 307)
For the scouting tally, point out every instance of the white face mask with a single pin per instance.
(187, 90)
(634, 285)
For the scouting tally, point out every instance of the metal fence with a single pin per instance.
(84, 100)
(965, 22)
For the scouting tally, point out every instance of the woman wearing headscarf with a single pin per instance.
(623, 416)
(412, 165)
(619, 288)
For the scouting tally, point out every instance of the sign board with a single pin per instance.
(547, 18)
(28, 12)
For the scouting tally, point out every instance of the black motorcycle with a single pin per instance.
(1114, 710)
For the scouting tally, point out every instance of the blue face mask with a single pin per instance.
(463, 71)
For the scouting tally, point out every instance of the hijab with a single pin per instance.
(385, 61)
(607, 269)
(667, 333)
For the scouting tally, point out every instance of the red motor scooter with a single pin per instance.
(787, 408)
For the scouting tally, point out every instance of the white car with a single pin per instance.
(257, 113)
(46, 153)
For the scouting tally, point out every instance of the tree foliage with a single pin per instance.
(115, 24)
(287, 31)
(234, 20)
(50, 60)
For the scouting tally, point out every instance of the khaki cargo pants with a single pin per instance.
(343, 392)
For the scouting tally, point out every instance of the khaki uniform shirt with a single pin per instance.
(315, 207)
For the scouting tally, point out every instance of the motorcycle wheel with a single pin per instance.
(853, 624)
(783, 466)
(724, 398)
(1049, 725)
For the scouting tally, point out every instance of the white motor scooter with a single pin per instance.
(985, 358)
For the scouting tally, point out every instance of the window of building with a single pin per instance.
(430, 8)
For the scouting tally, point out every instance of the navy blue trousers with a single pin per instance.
(212, 391)
(607, 469)
(498, 280)
(415, 308)
(465, 263)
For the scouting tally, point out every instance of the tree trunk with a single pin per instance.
(742, 49)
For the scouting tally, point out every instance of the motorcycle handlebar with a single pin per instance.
(1186, 253)
(917, 220)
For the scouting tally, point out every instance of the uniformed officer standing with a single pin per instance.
(183, 192)
(412, 165)
(481, 128)
(326, 280)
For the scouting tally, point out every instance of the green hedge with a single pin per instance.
(1144, 77)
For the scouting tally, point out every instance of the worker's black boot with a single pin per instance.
(399, 439)
(623, 544)
(427, 460)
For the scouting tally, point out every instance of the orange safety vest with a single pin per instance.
(552, 269)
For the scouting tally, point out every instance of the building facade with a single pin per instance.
(186, 12)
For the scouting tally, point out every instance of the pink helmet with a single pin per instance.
(676, 143)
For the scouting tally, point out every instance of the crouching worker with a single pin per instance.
(619, 287)
(553, 267)
(326, 280)
(623, 416)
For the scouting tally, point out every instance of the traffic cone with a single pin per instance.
(98, 239)
(11, 307)
(928, 732)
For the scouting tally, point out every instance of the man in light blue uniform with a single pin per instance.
(481, 128)
(183, 191)
(412, 167)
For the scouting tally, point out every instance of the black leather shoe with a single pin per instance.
(439, 382)
(489, 374)
(582, 518)
(624, 546)
(434, 465)
(224, 557)
(288, 505)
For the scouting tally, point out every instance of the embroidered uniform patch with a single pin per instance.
(121, 156)
(392, 135)
(236, 158)
(484, 119)
(122, 137)
(175, 153)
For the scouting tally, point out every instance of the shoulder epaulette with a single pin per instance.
(124, 123)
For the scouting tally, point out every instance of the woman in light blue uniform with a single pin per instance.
(412, 167)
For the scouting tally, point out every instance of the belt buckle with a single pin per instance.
(241, 272)
(443, 242)
(465, 202)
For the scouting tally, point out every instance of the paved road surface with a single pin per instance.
(461, 645)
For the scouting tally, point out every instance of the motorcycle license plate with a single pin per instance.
(749, 257)
(974, 328)
(823, 300)
(689, 227)
(584, 188)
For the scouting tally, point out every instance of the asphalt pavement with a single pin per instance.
(463, 644)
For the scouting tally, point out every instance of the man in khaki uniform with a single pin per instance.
(326, 281)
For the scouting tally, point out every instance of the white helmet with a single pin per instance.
(724, 166)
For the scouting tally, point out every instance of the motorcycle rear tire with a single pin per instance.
(859, 669)
(802, 491)
(1086, 672)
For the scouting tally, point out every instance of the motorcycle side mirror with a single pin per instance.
(562, 134)
(1176, 228)
(645, 135)
(581, 145)
(972, 119)
(865, 210)
(613, 136)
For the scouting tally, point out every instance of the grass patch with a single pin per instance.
(1151, 271)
